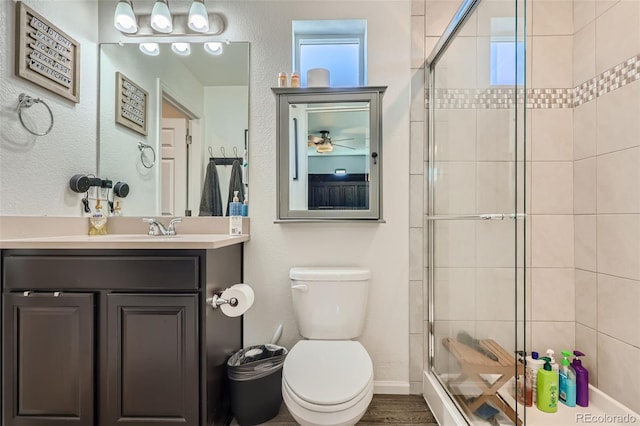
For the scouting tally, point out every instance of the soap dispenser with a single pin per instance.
(98, 220)
(567, 381)
(547, 388)
(582, 380)
(235, 215)
(554, 364)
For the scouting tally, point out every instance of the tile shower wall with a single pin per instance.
(606, 199)
(584, 162)
(550, 183)
(417, 182)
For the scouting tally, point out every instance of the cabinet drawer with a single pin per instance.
(126, 272)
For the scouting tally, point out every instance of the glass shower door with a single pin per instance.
(476, 220)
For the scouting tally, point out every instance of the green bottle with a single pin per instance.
(547, 388)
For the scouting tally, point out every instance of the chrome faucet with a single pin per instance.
(157, 228)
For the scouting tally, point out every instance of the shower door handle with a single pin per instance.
(485, 216)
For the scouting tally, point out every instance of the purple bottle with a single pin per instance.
(582, 380)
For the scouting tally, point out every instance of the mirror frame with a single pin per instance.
(286, 97)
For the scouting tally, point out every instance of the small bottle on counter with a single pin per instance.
(235, 215)
(245, 207)
(117, 210)
(98, 221)
(282, 79)
(295, 79)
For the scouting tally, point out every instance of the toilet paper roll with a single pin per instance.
(318, 77)
(243, 294)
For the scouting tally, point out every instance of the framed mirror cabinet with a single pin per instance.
(329, 153)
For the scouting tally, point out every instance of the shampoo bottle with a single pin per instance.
(582, 380)
(547, 388)
(533, 364)
(524, 387)
(567, 381)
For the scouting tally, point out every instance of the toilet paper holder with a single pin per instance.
(216, 300)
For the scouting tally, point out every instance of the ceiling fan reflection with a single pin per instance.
(324, 143)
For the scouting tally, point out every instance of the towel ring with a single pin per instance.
(26, 101)
(142, 147)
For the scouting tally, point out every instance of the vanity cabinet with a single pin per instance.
(48, 339)
(152, 359)
(106, 337)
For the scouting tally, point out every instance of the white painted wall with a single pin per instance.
(119, 154)
(35, 171)
(227, 115)
(275, 248)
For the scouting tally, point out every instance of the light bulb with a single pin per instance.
(198, 17)
(124, 19)
(151, 49)
(182, 49)
(161, 17)
(213, 47)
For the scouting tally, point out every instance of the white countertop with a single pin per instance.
(35, 232)
(125, 241)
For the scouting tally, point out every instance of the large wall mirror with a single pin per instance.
(329, 153)
(195, 108)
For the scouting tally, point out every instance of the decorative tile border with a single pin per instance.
(499, 98)
(622, 74)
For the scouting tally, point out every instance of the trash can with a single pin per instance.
(255, 381)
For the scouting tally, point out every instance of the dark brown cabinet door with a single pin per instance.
(48, 359)
(152, 375)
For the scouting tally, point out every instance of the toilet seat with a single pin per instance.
(327, 375)
(286, 389)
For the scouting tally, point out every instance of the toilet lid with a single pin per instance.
(327, 372)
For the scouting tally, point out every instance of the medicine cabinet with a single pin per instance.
(329, 153)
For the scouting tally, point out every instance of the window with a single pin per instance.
(504, 55)
(507, 53)
(338, 46)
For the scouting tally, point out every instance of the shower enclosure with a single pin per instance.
(533, 242)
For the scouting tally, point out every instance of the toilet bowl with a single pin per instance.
(327, 382)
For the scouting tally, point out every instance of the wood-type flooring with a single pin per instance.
(407, 410)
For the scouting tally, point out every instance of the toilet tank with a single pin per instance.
(330, 303)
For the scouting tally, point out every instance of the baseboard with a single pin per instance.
(390, 387)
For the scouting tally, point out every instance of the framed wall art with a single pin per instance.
(46, 55)
(131, 104)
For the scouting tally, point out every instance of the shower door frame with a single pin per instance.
(442, 403)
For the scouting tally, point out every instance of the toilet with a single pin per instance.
(327, 379)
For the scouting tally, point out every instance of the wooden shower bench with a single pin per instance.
(473, 364)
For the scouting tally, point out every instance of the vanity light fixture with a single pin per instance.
(213, 48)
(198, 17)
(151, 49)
(124, 19)
(182, 49)
(161, 20)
